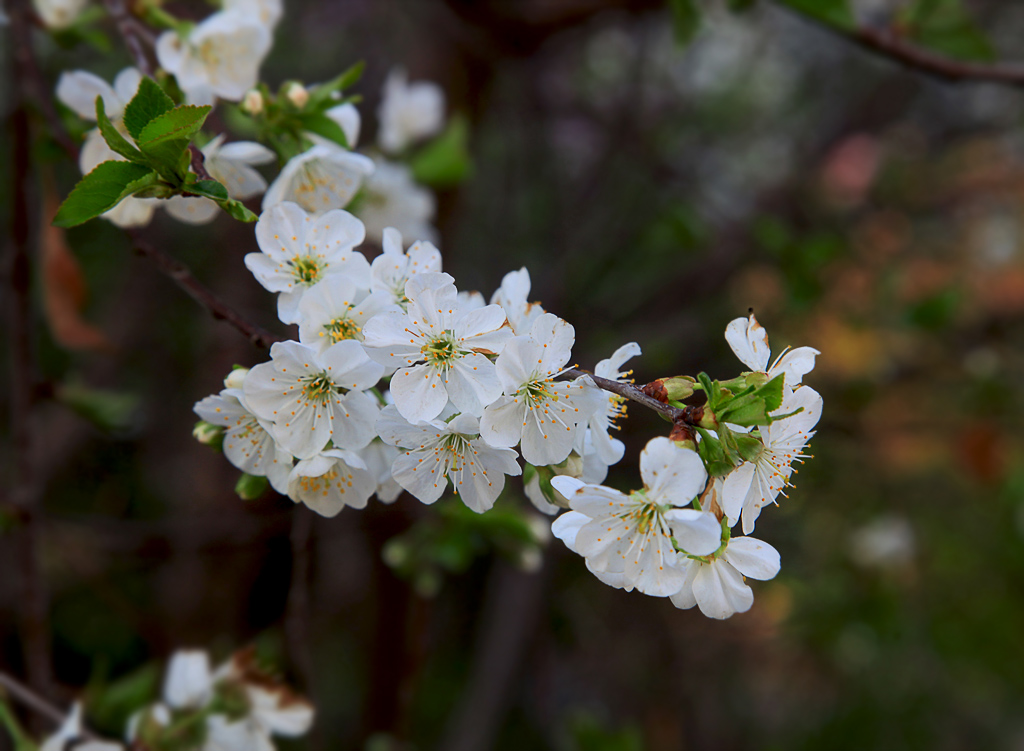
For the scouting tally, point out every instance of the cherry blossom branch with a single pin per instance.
(181, 275)
(633, 393)
(889, 43)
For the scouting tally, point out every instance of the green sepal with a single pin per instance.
(251, 487)
(101, 190)
(748, 446)
(149, 102)
(322, 97)
(118, 143)
(713, 454)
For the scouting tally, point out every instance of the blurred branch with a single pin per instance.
(296, 622)
(35, 702)
(25, 486)
(136, 36)
(181, 275)
(888, 43)
(633, 393)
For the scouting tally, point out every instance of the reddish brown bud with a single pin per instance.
(656, 390)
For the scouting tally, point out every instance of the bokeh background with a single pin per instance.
(655, 190)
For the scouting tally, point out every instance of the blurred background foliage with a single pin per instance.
(659, 168)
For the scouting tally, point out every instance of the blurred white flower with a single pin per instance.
(58, 14)
(220, 57)
(886, 542)
(323, 178)
(408, 112)
(393, 199)
(70, 730)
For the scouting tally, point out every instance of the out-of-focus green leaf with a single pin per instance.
(445, 161)
(113, 704)
(101, 190)
(111, 411)
(685, 20)
(948, 27)
(322, 97)
(836, 12)
(251, 487)
(237, 210)
(324, 126)
(149, 102)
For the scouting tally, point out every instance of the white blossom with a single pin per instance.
(408, 112)
(437, 452)
(379, 457)
(749, 340)
(536, 410)
(716, 583)
(232, 165)
(439, 349)
(392, 198)
(331, 480)
(393, 268)
(606, 449)
(632, 535)
(268, 12)
(188, 682)
(314, 398)
(248, 443)
(274, 709)
(338, 310)
(58, 14)
(300, 251)
(885, 542)
(220, 57)
(513, 297)
(753, 484)
(323, 178)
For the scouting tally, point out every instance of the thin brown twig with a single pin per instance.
(129, 28)
(34, 701)
(888, 43)
(181, 275)
(633, 393)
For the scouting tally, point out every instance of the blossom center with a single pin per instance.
(537, 391)
(441, 351)
(343, 328)
(318, 388)
(307, 269)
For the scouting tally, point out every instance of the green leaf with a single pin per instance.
(322, 98)
(110, 411)
(101, 190)
(711, 451)
(685, 20)
(445, 161)
(237, 210)
(210, 189)
(149, 102)
(118, 143)
(835, 12)
(165, 139)
(948, 27)
(771, 392)
(324, 126)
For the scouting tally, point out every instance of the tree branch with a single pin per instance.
(181, 275)
(38, 704)
(129, 29)
(890, 44)
(633, 393)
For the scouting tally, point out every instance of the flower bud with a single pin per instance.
(235, 378)
(208, 434)
(252, 102)
(670, 389)
(251, 487)
(297, 94)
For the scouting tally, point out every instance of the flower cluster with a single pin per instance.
(236, 705)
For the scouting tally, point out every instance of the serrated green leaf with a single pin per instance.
(324, 126)
(835, 12)
(322, 98)
(445, 161)
(685, 20)
(100, 191)
(149, 102)
(165, 140)
(771, 392)
(210, 189)
(118, 143)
